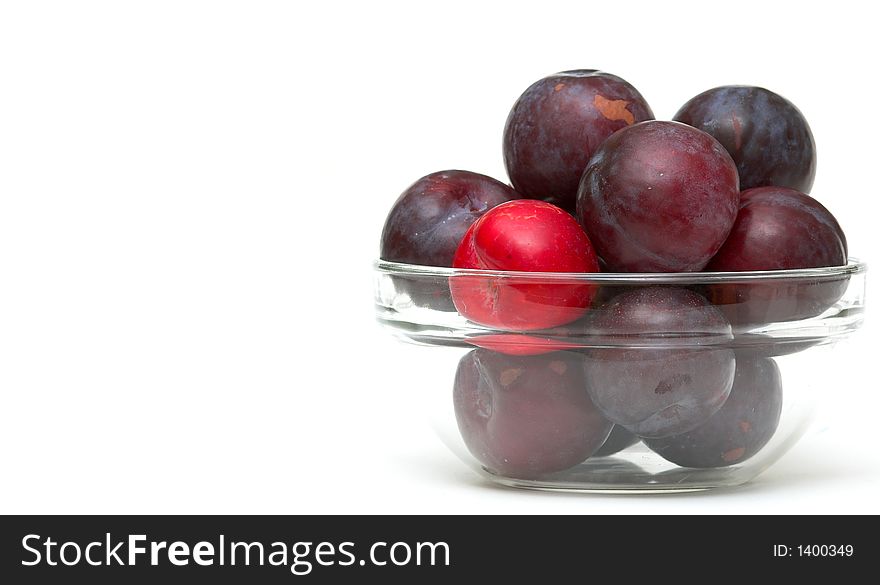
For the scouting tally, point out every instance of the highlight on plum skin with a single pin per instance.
(524, 236)
(662, 368)
(740, 429)
(778, 228)
(526, 416)
(558, 123)
(658, 197)
(767, 136)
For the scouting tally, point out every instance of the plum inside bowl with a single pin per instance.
(654, 382)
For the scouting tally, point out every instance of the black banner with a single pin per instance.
(116, 549)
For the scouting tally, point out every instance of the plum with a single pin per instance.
(558, 123)
(779, 228)
(530, 236)
(661, 368)
(740, 428)
(767, 136)
(526, 416)
(658, 197)
(427, 222)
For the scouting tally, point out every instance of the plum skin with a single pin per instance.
(767, 136)
(558, 123)
(531, 236)
(658, 197)
(740, 429)
(779, 228)
(526, 416)
(677, 375)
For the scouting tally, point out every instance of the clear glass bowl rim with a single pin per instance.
(853, 267)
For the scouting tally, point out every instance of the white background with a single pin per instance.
(191, 195)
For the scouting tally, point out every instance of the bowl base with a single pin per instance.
(634, 471)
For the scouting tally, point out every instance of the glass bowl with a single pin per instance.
(652, 383)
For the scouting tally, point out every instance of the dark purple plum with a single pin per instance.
(526, 416)
(556, 126)
(429, 219)
(661, 370)
(767, 136)
(617, 441)
(779, 228)
(658, 197)
(740, 428)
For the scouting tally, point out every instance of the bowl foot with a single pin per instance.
(632, 472)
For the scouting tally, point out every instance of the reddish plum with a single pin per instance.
(740, 428)
(779, 228)
(658, 197)
(767, 136)
(661, 371)
(558, 123)
(526, 416)
(529, 236)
